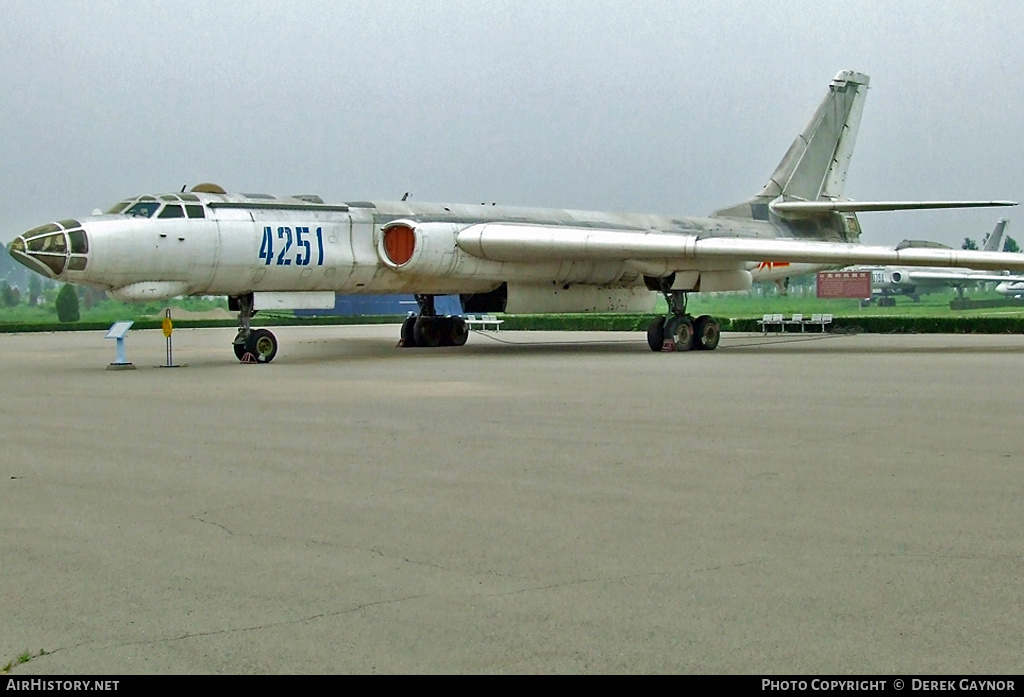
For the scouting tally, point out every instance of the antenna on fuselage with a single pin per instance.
(406, 195)
(183, 188)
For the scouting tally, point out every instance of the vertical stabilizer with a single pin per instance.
(816, 164)
(994, 241)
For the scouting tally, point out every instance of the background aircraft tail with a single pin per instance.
(994, 241)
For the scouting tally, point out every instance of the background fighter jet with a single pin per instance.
(297, 252)
(889, 281)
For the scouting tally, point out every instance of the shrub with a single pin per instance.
(67, 304)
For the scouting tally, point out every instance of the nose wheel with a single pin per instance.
(260, 347)
(252, 345)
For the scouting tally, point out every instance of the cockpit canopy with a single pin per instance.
(50, 249)
(164, 206)
(189, 205)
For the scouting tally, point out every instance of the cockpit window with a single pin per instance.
(49, 227)
(172, 211)
(143, 209)
(117, 208)
(195, 211)
(79, 242)
(51, 244)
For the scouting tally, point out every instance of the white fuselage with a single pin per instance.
(235, 245)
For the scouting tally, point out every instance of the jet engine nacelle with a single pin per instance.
(899, 277)
(422, 249)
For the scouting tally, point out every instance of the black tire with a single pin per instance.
(459, 333)
(706, 333)
(262, 344)
(656, 334)
(240, 351)
(428, 331)
(679, 330)
(408, 332)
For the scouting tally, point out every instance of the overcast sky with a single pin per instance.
(646, 105)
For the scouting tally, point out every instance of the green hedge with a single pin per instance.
(881, 324)
(150, 323)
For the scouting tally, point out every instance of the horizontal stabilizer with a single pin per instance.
(808, 209)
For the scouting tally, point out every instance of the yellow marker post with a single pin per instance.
(168, 327)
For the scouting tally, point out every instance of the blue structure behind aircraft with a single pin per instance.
(384, 305)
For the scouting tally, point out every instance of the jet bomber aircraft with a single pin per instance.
(297, 252)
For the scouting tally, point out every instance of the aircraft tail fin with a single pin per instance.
(806, 188)
(816, 164)
(995, 240)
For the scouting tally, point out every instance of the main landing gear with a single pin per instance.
(428, 330)
(680, 331)
(252, 345)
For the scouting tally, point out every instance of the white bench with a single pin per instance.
(770, 321)
(797, 321)
(820, 321)
(482, 322)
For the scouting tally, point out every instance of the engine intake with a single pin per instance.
(426, 249)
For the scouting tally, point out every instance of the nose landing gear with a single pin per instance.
(252, 345)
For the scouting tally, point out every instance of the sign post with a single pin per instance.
(117, 331)
(844, 284)
(168, 327)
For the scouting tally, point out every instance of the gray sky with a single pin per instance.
(647, 106)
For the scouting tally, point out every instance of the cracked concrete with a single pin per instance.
(525, 506)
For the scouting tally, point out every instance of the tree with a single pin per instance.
(35, 289)
(67, 304)
(969, 244)
(1010, 245)
(10, 296)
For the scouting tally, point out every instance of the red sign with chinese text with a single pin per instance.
(844, 284)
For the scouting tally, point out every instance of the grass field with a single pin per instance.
(107, 310)
(746, 305)
(724, 306)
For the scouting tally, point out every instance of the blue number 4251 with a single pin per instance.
(305, 253)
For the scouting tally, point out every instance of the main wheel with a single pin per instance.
(262, 344)
(459, 332)
(656, 333)
(408, 332)
(679, 330)
(428, 331)
(706, 333)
